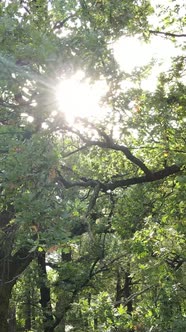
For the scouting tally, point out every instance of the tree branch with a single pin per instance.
(126, 152)
(159, 175)
(154, 176)
(93, 198)
(19, 262)
(168, 34)
(60, 24)
(108, 143)
(75, 151)
(131, 297)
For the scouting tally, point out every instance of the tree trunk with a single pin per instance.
(61, 303)
(118, 288)
(12, 319)
(124, 293)
(11, 267)
(45, 301)
(5, 294)
(28, 321)
(127, 292)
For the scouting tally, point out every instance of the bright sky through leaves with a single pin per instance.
(131, 52)
(78, 98)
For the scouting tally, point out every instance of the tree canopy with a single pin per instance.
(92, 212)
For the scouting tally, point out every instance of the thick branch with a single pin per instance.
(154, 176)
(18, 263)
(159, 175)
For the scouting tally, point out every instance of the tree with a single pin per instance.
(67, 185)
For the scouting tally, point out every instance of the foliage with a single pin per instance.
(92, 212)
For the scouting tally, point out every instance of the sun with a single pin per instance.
(76, 97)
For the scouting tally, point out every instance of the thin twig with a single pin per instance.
(169, 34)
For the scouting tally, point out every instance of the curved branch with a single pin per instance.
(108, 143)
(154, 176)
(126, 152)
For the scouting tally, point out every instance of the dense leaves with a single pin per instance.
(92, 211)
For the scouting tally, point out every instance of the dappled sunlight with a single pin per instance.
(92, 152)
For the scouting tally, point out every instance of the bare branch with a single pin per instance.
(75, 151)
(168, 34)
(124, 302)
